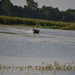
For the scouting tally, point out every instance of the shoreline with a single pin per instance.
(19, 26)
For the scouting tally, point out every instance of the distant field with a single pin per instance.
(28, 22)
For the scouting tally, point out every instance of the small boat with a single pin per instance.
(36, 31)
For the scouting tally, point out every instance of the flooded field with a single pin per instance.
(19, 47)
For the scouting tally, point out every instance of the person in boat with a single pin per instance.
(35, 31)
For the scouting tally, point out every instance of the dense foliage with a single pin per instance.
(7, 20)
(31, 10)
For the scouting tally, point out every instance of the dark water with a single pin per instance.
(22, 47)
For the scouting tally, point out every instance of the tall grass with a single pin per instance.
(8, 20)
(55, 66)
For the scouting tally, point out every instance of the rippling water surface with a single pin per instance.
(20, 46)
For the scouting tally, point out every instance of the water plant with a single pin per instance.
(55, 66)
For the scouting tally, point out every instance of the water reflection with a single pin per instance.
(37, 73)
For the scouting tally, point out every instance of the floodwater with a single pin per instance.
(20, 47)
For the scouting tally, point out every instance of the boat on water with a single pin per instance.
(35, 30)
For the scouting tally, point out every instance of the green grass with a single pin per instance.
(8, 20)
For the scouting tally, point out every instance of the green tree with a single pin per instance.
(6, 6)
(32, 4)
(0, 8)
(17, 11)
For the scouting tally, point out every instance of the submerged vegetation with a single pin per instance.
(43, 67)
(7, 20)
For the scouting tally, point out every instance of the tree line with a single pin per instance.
(31, 10)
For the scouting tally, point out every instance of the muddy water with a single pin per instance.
(21, 47)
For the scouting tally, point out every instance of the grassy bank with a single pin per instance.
(7, 20)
